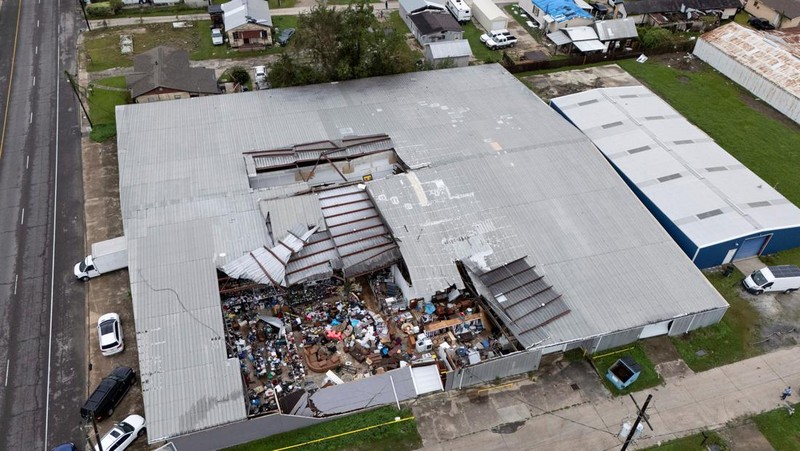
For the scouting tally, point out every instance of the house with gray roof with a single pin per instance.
(407, 8)
(248, 24)
(164, 73)
(435, 26)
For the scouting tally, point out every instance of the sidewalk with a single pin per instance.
(683, 406)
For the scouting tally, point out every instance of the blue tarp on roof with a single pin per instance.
(561, 10)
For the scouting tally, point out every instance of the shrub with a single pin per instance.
(102, 9)
(240, 75)
(656, 38)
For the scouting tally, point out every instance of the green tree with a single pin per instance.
(654, 38)
(240, 75)
(336, 45)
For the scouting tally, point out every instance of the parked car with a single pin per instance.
(66, 447)
(285, 35)
(110, 332)
(107, 396)
(261, 73)
(123, 434)
(216, 36)
(493, 34)
(760, 24)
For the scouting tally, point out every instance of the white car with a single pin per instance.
(261, 73)
(123, 434)
(216, 36)
(109, 330)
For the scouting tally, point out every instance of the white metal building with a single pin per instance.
(452, 53)
(489, 15)
(494, 179)
(715, 208)
(765, 64)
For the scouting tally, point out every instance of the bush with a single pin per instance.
(116, 5)
(240, 75)
(655, 38)
(102, 9)
(103, 132)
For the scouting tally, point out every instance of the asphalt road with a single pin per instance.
(42, 310)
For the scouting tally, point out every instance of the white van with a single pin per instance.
(460, 10)
(785, 278)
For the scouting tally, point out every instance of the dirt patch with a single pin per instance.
(556, 84)
(683, 61)
(745, 437)
(676, 369)
(660, 349)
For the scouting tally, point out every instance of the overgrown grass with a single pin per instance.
(277, 4)
(728, 341)
(399, 436)
(397, 24)
(767, 146)
(102, 103)
(648, 377)
(479, 49)
(155, 10)
(692, 443)
(102, 45)
(790, 257)
(781, 430)
(741, 18)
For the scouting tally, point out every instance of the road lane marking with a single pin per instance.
(10, 79)
(30, 121)
(37, 23)
(22, 220)
(34, 82)
(8, 364)
(27, 160)
(16, 276)
(37, 50)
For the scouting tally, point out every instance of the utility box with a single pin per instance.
(624, 372)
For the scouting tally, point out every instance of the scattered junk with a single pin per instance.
(624, 372)
(321, 333)
(625, 430)
(182, 24)
(642, 58)
(125, 44)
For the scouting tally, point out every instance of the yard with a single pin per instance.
(479, 49)
(732, 339)
(692, 443)
(102, 46)
(102, 103)
(399, 436)
(781, 430)
(648, 377)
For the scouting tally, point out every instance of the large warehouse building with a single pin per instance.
(765, 63)
(463, 175)
(715, 208)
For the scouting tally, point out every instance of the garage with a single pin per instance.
(654, 330)
(489, 15)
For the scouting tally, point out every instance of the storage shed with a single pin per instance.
(448, 53)
(766, 64)
(715, 208)
(489, 15)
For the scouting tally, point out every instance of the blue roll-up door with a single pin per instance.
(751, 247)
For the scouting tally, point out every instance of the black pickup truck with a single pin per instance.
(108, 394)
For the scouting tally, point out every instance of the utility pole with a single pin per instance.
(641, 416)
(78, 95)
(83, 8)
(97, 434)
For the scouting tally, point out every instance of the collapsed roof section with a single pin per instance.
(523, 299)
(268, 265)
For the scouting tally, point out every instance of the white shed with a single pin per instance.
(450, 53)
(489, 15)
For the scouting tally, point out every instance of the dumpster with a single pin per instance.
(624, 372)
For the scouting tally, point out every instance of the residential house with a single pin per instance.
(680, 14)
(435, 26)
(552, 15)
(617, 33)
(410, 7)
(248, 24)
(781, 13)
(163, 73)
(603, 36)
(582, 38)
(448, 53)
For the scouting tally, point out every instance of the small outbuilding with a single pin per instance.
(716, 209)
(489, 15)
(448, 53)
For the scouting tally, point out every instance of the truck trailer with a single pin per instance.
(785, 278)
(106, 256)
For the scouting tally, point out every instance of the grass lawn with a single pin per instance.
(781, 430)
(397, 24)
(152, 10)
(479, 49)
(692, 443)
(276, 4)
(790, 257)
(728, 341)
(101, 106)
(648, 377)
(741, 18)
(102, 46)
(729, 114)
(400, 436)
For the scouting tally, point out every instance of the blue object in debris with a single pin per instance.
(430, 308)
(335, 322)
(485, 344)
(354, 322)
(385, 351)
(624, 372)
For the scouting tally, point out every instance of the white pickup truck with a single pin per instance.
(499, 41)
(493, 34)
